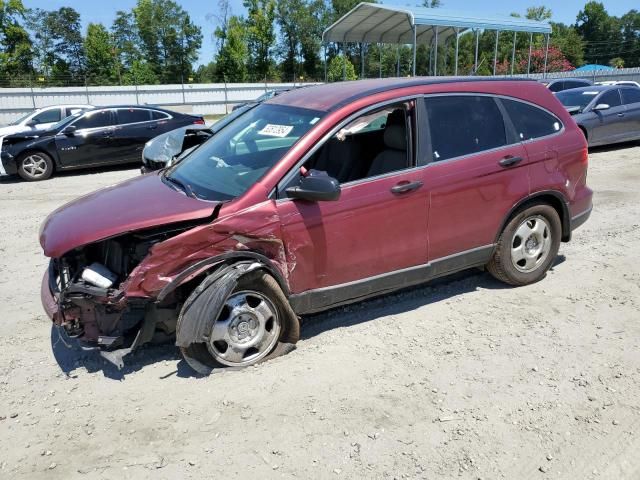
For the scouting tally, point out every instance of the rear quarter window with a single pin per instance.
(530, 122)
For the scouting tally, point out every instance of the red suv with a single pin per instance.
(317, 198)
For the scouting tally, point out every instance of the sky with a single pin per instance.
(104, 11)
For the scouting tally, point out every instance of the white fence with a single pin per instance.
(205, 98)
(208, 98)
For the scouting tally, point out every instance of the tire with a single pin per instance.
(527, 246)
(35, 166)
(244, 329)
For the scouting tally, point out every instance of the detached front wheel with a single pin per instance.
(527, 246)
(255, 323)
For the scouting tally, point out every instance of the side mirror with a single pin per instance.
(31, 123)
(601, 106)
(317, 186)
(69, 131)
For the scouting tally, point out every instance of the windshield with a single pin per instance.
(241, 153)
(573, 98)
(21, 119)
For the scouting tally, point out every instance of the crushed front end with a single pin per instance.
(84, 293)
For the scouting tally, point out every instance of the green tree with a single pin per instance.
(15, 45)
(261, 36)
(601, 32)
(431, 3)
(569, 41)
(630, 25)
(101, 55)
(337, 67)
(232, 58)
(126, 40)
(68, 41)
(141, 73)
(169, 40)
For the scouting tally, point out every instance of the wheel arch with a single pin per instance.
(548, 197)
(205, 267)
(40, 149)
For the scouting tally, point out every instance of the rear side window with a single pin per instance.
(611, 98)
(556, 87)
(156, 115)
(48, 116)
(630, 95)
(463, 125)
(101, 118)
(530, 122)
(133, 115)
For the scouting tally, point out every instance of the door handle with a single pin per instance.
(404, 187)
(621, 114)
(152, 127)
(510, 161)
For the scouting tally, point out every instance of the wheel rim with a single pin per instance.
(531, 244)
(34, 165)
(246, 330)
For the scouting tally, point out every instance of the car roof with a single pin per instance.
(555, 80)
(331, 96)
(591, 88)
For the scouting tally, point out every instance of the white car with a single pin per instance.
(42, 118)
(629, 83)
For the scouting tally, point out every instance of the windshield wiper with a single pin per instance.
(185, 187)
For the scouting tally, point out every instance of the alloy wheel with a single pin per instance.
(531, 244)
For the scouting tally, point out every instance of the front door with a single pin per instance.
(610, 124)
(377, 226)
(91, 143)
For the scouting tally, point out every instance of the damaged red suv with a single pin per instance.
(317, 198)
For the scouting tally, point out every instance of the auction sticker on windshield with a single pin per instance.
(272, 130)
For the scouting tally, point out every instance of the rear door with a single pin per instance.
(135, 127)
(477, 171)
(631, 101)
(91, 143)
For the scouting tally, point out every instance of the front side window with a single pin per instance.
(48, 116)
(630, 95)
(375, 143)
(530, 122)
(97, 119)
(611, 98)
(241, 153)
(133, 115)
(464, 125)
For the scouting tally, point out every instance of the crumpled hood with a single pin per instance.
(142, 202)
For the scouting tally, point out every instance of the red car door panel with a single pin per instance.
(470, 197)
(367, 232)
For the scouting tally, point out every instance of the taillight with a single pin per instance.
(585, 156)
(198, 121)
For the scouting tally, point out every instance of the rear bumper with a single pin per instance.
(579, 219)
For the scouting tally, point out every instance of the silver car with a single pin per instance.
(605, 113)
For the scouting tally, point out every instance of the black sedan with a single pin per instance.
(605, 114)
(100, 136)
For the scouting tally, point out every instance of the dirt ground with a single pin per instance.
(465, 378)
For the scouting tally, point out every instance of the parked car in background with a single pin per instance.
(42, 118)
(560, 84)
(262, 98)
(166, 149)
(628, 83)
(606, 114)
(100, 136)
(296, 207)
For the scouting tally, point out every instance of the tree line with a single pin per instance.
(156, 42)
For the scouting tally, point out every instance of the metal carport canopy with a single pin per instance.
(371, 23)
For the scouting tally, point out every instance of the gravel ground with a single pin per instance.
(464, 378)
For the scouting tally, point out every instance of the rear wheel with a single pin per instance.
(255, 323)
(527, 246)
(34, 166)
